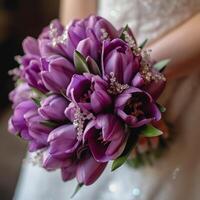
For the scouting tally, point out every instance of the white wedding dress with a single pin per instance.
(176, 176)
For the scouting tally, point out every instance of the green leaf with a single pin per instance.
(131, 142)
(122, 32)
(122, 35)
(37, 92)
(161, 64)
(143, 44)
(161, 108)
(150, 131)
(36, 101)
(80, 63)
(78, 187)
(49, 124)
(92, 65)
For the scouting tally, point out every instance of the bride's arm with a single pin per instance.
(182, 46)
(70, 9)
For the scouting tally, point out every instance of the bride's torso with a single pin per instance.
(148, 18)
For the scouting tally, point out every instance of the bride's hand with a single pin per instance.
(182, 46)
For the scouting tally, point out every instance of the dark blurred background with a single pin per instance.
(18, 18)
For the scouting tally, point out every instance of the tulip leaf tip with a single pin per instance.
(49, 124)
(78, 187)
(150, 131)
(161, 64)
(80, 62)
(143, 44)
(131, 142)
(161, 108)
(36, 101)
(118, 162)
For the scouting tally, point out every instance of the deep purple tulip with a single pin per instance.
(101, 26)
(56, 73)
(51, 163)
(17, 121)
(63, 141)
(89, 170)
(93, 30)
(106, 137)
(89, 91)
(21, 93)
(31, 64)
(136, 107)
(53, 107)
(153, 86)
(49, 40)
(46, 32)
(36, 129)
(69, 172)
(89, 47)
(68, 165)
(26, 122)
(119, 59)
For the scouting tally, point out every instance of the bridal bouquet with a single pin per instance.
(86, 95)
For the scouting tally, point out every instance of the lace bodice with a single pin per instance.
(148, 18)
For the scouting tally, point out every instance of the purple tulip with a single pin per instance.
(56, 74)
(136, 107)
(119, 59)
(47, 31)
(52, 108)
(21, 93)
(63, 141)
(17, 121)
(101, 27)
(26, 123)
(92, 31)
(37, 130)
(89, 48)
(89, 170)
(153, 84)
(106, 137)
(69, 172)
(67, 165)
(51, 41)
(70, 111)
(89, 91)
(51, 163)
(31, 64)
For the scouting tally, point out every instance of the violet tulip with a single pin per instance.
(17, 124)
(119, 59)
(52, 108)
(69, 172)
(51, 41)
(36, 128)
(136, 107)
(106, 137)
(153, 83)
(31, 64)
(89, 91)
(23, 123)
(51, 163)
(21, 93)
(94, 29)
(56, 74)
(89, 170)
(63, 141)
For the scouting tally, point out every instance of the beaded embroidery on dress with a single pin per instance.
(176, 175)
